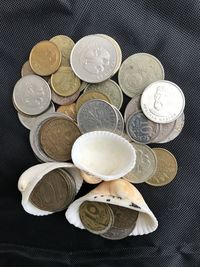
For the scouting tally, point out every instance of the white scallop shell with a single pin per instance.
(33, 175)
(118, 192)
(103, 154)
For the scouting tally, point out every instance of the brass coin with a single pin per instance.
(166, 168)
(45, 58)
(26, 69)
(64, 82)
(96, 217)
(69, 110)
(57, 136)
(89, 178)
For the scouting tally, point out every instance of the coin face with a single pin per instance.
(64, 82)
(93, 59)
(138, 71)
(146, 164)
(96, 217)
(26, 69)
(31, 95)
(162, 101)
(69, 110)
(45, 58)
(140, 129)
(132, 107)
(166, 168)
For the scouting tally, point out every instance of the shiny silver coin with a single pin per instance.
(31, 95)
(120, 122)
(162, 101)
(165, 131)
(132, 107)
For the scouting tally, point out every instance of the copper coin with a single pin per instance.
(69, 110)
(26, 69)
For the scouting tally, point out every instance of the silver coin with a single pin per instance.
(31, 95)
(162, 101)
(132, 107)
(120, 122)
(93, 59)
(29, 121)
(140, 129)
(165, 131)
(115, 233)
(138, 71)
(96, 115)
(110, 89)
(145, 167)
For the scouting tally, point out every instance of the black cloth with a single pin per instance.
(170, 31)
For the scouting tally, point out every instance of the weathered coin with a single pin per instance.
(96, 115)
(109, 88)
(83, 86)
(31, 95)
(64, 82)
(89, 96)
(45, 58)
(89, 178)
(145, 167)
(166, 168)
(65, 45)
(71, 183)
(165, 131)
(26, 69)
(162, 101)
(96, 217)
(120, 122)
(94, 59)
(29, 121)
(132, 107)
(140, 129)
(138, 71)
(69, 110)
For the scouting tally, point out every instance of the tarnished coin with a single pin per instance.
(145, 166)
(165, 131)
(26, 69)
(71, 183)
(96, 115)
(109, 88)
(166, 168)
(89, 178)
(64, 82)
(138, 71)
(140, 129)
(69, 110)
(45, 58)
(31, 95)
(65, 45)
(96, 217)
(94, 59)
(162, 101)
(132, 107)
(120, 122)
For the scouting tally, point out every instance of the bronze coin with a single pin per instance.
(71, 183)
(69, 110)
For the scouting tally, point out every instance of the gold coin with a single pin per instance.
(64, 82)
(45, 58)
(26, 69)
(89, 96)
(65, 45)
(166, 168)
(90, 179)
(69, 110)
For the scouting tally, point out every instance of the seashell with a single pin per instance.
(34, 174)
(117, 192)
(103, 154)
(90, 179)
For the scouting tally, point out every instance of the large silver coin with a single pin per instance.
(93, 59)
(138, 71)
(145, 166)
(132, 107)
(31, 95)
(96, 115)
(120, 122)
(162, 101)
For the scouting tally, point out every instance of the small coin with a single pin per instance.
(96, 115)
(138, 71)
(26, 69)
(140, 129)
(89, 178)
(145, 167)
(162, 101)
(65, 45)
(132, 107)
(165, 131)
(45, 58)
(120, 122)
(109, 88)
(96, 217)
(31, 95)
(69, 110)
(166, 168)
(64, 82)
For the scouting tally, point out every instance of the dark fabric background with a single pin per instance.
(170, 30)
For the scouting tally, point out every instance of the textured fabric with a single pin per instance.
(170, 31)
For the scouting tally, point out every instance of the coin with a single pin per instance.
(165, 130)
(26, 69)
(71, 183)
(83, 86)
(96, 115)
(65, 45)
(57, 136)
(138, 71)
(109, 88)
(94, 59)
(45, 58)
(64, 82)
(96, 217)
(145, 166)
(166, 168)
(31, 95)
(162, 101)
(89, 178)
(120, 122)
(140, 129)
(132, 107)
(69, 110)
